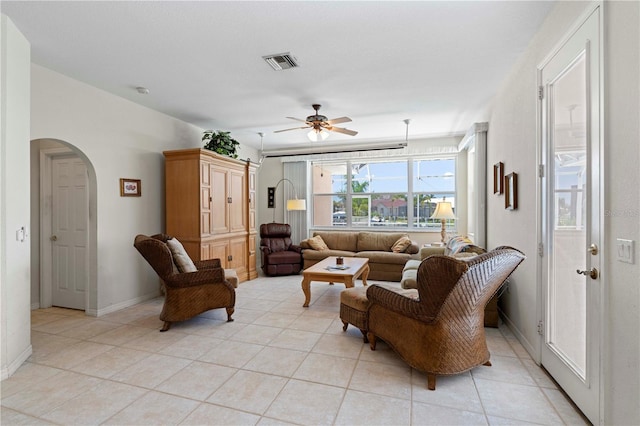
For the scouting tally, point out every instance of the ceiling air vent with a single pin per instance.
(281, 61)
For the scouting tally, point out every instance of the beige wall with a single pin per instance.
(512, 140)
(117, 138)
(15, 320)
(622, 201)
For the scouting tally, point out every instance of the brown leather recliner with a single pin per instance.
(279, 255)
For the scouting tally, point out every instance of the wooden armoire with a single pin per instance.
(210, 206)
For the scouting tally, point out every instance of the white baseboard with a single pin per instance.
(13, 367)
(122, 305)
(535, 355)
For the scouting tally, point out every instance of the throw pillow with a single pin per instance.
(456, 245)
(180, 256)
(317, 243)
(401, 245)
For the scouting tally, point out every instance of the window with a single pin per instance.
(378, 193)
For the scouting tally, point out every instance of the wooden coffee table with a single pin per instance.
(323, 271)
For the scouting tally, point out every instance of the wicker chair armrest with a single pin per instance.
(398, 303)
(508, 248)
(207, 264)
(191, 279)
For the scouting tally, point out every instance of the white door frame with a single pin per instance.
(46, 158)
(540, 194)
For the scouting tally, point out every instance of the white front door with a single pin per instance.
(69, 233)
(571, 208)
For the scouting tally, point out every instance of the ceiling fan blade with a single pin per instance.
(342, 130)
(339, 120)
(297, 119)
(293, 128)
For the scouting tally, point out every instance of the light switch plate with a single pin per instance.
(624, 250)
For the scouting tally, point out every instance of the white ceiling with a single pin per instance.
(436, 63)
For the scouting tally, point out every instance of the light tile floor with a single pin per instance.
(278, 363)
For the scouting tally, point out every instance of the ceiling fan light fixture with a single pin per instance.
(317, 135)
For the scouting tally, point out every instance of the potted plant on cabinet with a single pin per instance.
(220, 142)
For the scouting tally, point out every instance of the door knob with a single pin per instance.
(593, 249)
(593, 273)
(54, 238)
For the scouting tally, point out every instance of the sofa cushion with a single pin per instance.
(386, 257)
(336, 240)
(180, 256)
(410, 293)
(323, 254)
(401, 245)
(412, 264)
(377, 241)
(317, 243)
(409, 278)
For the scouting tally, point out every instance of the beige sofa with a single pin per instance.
(384, 264)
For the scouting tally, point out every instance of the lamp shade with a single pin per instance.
(296, 204)
(443, 211)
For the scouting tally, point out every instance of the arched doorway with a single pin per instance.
(64, 227)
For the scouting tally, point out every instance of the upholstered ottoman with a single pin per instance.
(353, 309)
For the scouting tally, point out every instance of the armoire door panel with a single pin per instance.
(220, 217)
(205, 210)
(219, 250)
(237, 207)
(238, 251)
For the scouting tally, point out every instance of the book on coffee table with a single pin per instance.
(337, 267)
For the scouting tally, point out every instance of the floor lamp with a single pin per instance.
(292, 204)
(443, 212)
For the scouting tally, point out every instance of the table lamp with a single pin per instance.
(443, 212)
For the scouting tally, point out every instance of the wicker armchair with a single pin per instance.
(441, 331)
(186, 294)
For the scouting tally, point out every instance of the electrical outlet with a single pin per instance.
(624, 250)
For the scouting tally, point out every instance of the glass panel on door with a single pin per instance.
(566, 316)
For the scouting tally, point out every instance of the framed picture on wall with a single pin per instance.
(130, 187)
(511, 191)
(498, 178)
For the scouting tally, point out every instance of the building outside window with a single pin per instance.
(399, 193)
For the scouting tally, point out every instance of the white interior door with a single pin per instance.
(571, 145)
(69, 233)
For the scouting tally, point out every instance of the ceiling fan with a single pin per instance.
(321, 126)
